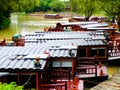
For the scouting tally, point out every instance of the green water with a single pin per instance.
(27, 24)
(112, 70)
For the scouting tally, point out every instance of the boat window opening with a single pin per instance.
(81, 52)
(97, 52)
(66, 64)
(62, 64)
(101, 52)
(56, 64)
(93, 52)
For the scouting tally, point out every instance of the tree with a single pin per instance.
(86, 7)
(112, 8)
(4, 14)
(74, 5)
(43, 6)
(47, 5)
(57, 5)
(9, 6)
(27, 5)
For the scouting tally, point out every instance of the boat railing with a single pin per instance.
(87, 69)
(114, 51)
(86, 60)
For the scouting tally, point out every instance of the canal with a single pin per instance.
(24, 24)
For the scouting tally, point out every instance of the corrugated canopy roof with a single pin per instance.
(53, 44)
(19, 64)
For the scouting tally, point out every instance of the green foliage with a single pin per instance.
(9, 6)
(10, 86)
(27, 5)
(112, 8)
(84, 7)
(47, 5)
(75, 5)
(4, 22)
(56, 5)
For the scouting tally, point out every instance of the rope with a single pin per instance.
(28, 79)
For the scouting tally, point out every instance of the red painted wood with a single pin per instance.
(61, 85)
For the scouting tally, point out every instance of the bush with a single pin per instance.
(10, 86)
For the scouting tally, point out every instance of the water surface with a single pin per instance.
(27, 24)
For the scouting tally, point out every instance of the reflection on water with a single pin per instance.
(27, 24)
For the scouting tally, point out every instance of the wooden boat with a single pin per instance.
(77, 19)
(61, 59)
(80, 26)
(17, 40)
(68, 26)
(53, 16)
(82, 18)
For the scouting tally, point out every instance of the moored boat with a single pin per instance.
(61, 58)
(53, 16)
(16, 40)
